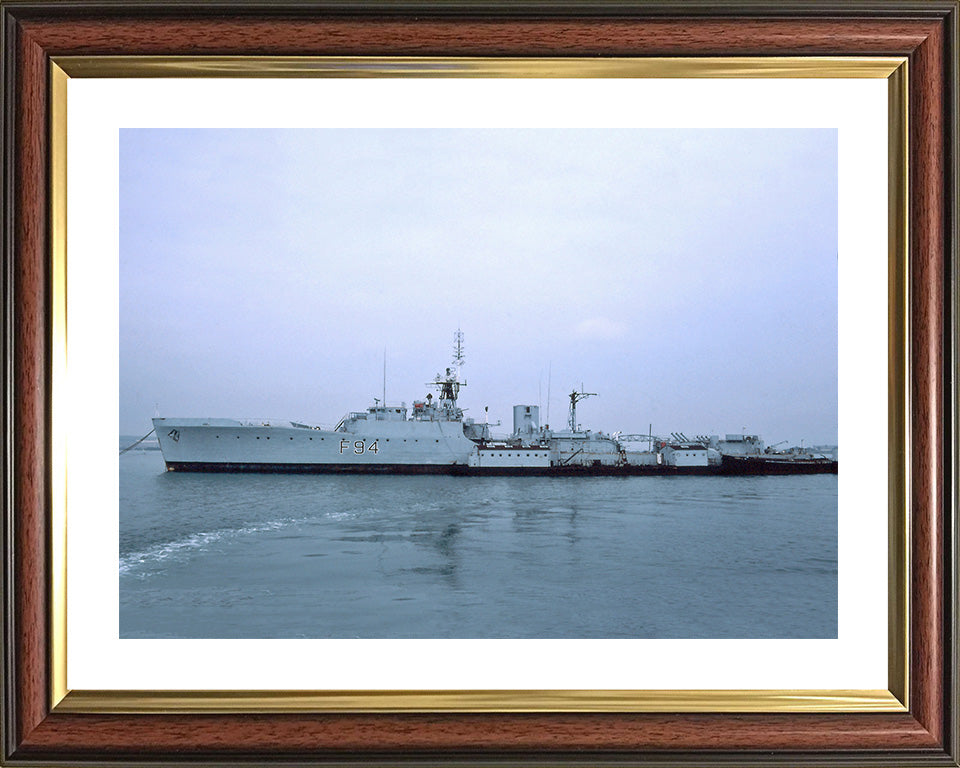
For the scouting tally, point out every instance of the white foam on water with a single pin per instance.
(196, 542)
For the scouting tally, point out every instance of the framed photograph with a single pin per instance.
(466, 383)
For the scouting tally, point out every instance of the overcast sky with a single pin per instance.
(689, 277)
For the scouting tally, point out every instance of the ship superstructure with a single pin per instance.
(433, 437)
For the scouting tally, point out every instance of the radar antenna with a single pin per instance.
(449, 383)
(458, 349)
(576, 397)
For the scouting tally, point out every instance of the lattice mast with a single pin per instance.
(449, 384)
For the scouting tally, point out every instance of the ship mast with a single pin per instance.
(458, 359)
(449, 384)
(576, 397)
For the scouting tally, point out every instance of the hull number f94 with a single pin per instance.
(359, 446)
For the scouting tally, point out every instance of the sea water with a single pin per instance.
(323, 556)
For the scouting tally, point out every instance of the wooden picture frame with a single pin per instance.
(36, 730)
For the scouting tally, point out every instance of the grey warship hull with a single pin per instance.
(433, 448)
(736, 468)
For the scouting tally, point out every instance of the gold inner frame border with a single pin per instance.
(894, 699)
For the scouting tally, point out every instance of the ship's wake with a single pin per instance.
(140, 562)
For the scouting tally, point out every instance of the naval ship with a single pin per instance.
(433, 437)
